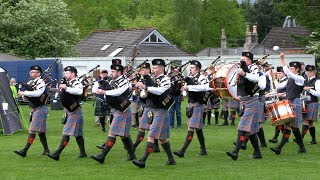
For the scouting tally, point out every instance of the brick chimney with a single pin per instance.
(254, 35)
(246, 45)
(223, 50)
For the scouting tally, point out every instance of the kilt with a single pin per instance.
(233, 103)
(134, 106)
(101, 109)
(262, 101)
(159, 129)
(143, 121)
(74, 123)
(39, 119)
(297, 108)
(249, 120)
(312, 111)
(224, 103)
(120, 125)
(212, 106)
(196, 120)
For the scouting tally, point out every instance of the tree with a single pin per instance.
(37, 28)
(217, 15)
(265, 14)
(307, 13)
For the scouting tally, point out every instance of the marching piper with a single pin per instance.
(158, 101)
(119, 104)
(37, 95)
(70, 94)
(197, 85)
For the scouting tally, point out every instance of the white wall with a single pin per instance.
(84, 64)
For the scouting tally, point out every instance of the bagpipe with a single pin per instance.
(33, 85)
(82, 76)
(251, 88)
(121, 102)
(165, 100)
(70, 101)
(129, 69)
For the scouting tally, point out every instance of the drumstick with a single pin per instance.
(232, 77)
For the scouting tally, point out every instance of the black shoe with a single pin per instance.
(276, 150)
(243, 145)
(263, 145)
(256, 156)
(203, 152)
(54, 156)
(22, 153)
(131, 157)
(82, 156)
(232, 124)
(45, 152)
(156, 149)
(233, 155)
(273, 140)
(179, 153)
(225, 124)
(302, 150)
(139, 163)
(98, 158)
(171, 162)
(313, 142)
(100, 146)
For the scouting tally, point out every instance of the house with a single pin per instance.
(278, 36)
(149, 42)
(286, 37)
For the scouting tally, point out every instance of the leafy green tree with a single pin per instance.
(37, 28)
(217, 15)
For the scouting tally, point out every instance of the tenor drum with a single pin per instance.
(281, 112)
(224, 81)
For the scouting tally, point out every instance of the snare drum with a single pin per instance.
(281, 112)
(224, 81)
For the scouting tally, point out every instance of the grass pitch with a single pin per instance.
(217, 165)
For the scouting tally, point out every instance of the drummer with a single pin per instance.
(265, 87)
(312, 91)
(294, 88)
(214, 101)
(281, 86)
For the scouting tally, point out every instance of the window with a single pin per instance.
(114, 53)
(105, 47)
(155, 38)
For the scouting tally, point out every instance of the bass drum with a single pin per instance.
(223, 81)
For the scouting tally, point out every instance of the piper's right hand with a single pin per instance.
(63, 86)
(100, 91)
(20, 93)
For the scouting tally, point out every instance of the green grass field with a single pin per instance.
(217, 165)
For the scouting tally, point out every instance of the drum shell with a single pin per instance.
(281, 112)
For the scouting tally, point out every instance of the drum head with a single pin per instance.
(225, 81)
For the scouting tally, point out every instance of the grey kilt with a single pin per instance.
(101, 109)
